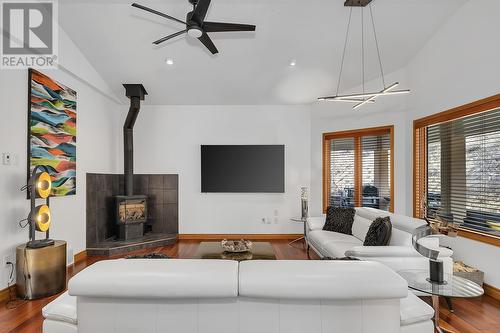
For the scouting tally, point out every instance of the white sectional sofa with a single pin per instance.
(213, 296)
(398, 255)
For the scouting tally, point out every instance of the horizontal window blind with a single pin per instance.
(462, 161)
(376, 171)
(358, 168)
(342, 171)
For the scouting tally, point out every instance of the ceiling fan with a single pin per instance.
(196, 26)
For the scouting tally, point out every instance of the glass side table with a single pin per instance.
(453, 286)
(303, 221)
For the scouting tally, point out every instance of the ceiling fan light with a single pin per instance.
(195, 32)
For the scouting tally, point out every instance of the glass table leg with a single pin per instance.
(296, 240)
(301, 238)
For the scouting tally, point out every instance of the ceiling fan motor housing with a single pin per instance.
(193, 27)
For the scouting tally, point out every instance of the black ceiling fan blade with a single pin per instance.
(136, 5)
(205, 39)
(161, 40)
(220, 27)
(200, 11)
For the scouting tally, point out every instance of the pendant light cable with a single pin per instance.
(363, 49)
(363, 97)
(345, 46)
(378, 50)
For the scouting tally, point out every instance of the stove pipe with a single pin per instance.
(136, 93)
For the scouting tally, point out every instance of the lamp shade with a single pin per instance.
(41, 183)
(40, 218)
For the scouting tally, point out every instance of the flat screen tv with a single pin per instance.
(243, 168)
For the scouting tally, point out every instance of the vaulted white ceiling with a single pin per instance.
(251, 68)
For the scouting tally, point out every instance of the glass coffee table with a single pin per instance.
(213, 250)
(454, 286)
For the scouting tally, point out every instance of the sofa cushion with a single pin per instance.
(319, 238)
(63, 308)
(339, 219)
(401, 222)
(379, 233)
(399, 237)
(315, 223)
(324, 236)
(360, 227)
(414, 310)
(339, 248)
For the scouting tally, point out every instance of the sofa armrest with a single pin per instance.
(382, 251)
(315, 223)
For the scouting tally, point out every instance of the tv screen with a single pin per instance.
(243, 168)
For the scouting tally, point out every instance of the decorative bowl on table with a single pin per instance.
(236, 246)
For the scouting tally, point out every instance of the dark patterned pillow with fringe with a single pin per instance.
(339, 219)
(379, 233)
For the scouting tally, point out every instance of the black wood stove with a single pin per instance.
(131, 209)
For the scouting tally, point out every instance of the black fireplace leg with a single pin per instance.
(450, 305)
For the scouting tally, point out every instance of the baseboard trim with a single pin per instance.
(80, 256)
(492, 291)
(4, 293)
(239, 236)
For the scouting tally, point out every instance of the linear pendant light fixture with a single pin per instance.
(362, 98)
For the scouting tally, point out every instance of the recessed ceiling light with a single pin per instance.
(169, 61)
(293, 63)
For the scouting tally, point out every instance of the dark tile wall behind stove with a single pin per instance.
(163, 204)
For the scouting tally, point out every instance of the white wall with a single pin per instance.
(96, 150)
(168, 139)
(458, 65)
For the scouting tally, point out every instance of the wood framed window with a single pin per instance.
(456, 168)
(358, 168)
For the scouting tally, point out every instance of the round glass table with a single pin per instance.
(454, 286)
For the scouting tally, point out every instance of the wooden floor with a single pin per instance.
(470, 316)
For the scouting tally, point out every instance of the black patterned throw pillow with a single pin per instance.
(339, 219)
(379, 233)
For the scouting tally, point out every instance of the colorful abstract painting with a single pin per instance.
(52, 131)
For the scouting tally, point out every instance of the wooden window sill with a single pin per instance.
(479, 236)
